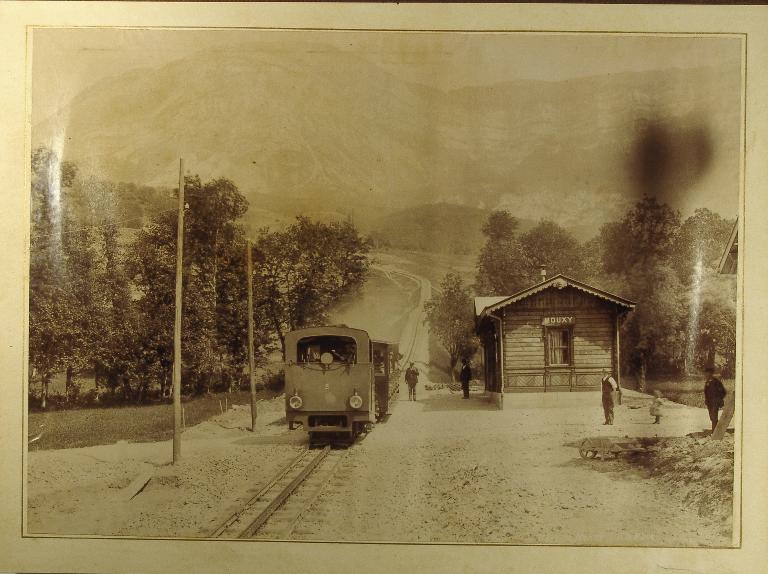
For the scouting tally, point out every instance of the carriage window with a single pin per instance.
(341, 349)
(559, 346)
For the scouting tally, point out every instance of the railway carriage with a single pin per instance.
(338, 381)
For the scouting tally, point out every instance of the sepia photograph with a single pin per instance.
(384, 286)
(318, 287)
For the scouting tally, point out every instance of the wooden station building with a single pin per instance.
(557, 335)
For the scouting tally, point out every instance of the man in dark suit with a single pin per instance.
(412, 378)
(714, 395)
(608, 386)
(465, 376)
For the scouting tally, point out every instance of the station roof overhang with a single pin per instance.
(729, 261)
(487, 306)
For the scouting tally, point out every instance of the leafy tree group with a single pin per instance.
(304, 269)
(686, 313)
(102, 296)
(51, 305)
(509, 261)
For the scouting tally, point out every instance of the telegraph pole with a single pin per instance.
(177, 323)
(251, 366)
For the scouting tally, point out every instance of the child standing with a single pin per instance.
(656, 407)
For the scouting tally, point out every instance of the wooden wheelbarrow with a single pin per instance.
(602, 446)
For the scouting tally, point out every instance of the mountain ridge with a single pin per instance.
(334, 127)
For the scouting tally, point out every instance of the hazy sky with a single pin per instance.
(72, 59)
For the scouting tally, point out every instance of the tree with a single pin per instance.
(503, 266)
(451, 319)
(118, 348)
(637, 260)
(653, 336)
(700, 244)
(647, 233)
(592, 260)
(214, 236)
(214, 317)
(550, 246)
(713, 313)
(306, 268)
(150, 263)
(50, 305)
(500, 226)
(85, 300)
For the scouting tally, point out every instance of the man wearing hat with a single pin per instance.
(465, 376)
(609, 386)
(412, 378)
(714, 395)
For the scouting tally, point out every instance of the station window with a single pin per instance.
(559, 347)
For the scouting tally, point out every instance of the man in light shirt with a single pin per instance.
(609, 386)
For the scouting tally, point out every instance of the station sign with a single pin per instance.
(558, 321)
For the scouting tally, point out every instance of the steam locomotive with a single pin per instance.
(338, 381)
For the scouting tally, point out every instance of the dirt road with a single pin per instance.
(448, 470)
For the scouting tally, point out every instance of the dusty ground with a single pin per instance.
(440, 469)
(444, 469)
(83, 490)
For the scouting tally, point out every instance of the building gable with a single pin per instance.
(566, 298)
(729, 261)
(558, 288)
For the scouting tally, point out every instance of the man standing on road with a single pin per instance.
(465, 376)
(714, 395)
(609, 385)
(412, 378)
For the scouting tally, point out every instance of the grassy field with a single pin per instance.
(88, 427)
(689, 391)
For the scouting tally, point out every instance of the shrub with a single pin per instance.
(89, 398)
(274, 381)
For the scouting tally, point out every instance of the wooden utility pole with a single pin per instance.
(251, 366)
(177, 323)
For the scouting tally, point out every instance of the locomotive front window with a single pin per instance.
(340, 349)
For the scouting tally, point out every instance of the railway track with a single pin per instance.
(274, 511)
(414, 326)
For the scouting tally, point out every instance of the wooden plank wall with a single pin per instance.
(524, 342)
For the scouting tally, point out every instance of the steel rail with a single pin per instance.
(412, 344)
(284, 494)
(235, 517)
(289, 530)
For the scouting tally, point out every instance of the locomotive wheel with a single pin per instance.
(315, 440)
